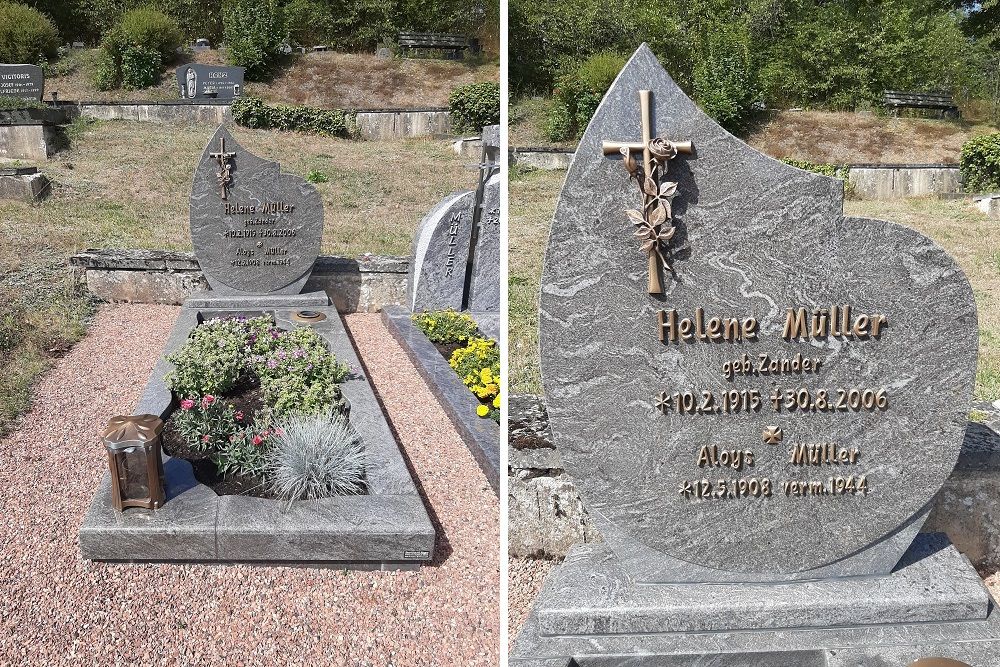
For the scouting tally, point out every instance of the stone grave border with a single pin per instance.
(481, 436)
(389, 528)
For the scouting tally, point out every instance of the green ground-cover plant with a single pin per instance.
(446, 326)
(26, 35)
(980, 163)
(474, 106)
(253, 112)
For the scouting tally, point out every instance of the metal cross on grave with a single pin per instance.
(653, 220)
(224, 175)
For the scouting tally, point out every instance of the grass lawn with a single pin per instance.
(126, 185)
(968, 235)
(325, 79)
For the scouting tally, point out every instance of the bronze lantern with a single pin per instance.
(133, 444)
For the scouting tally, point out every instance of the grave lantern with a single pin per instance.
(133, 444)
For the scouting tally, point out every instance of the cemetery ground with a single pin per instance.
(125, 185)
(964, 232)
(324, 79)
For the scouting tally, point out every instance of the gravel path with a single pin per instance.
(524, 580)
(56, 609)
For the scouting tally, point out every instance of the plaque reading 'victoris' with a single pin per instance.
(254, 229)
(737, 375)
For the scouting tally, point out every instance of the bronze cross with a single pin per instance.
(223, 158)
(617, 147)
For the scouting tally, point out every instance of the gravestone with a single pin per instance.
(254, 229)
(758, 398)
(436, 278)
(197, 81)
(201, 44)
(22, 81)
(484, 286)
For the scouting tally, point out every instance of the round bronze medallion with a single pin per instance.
(308, 316)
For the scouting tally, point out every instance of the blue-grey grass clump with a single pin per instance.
(314, 457)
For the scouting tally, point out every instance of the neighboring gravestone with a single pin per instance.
(209, 81)
(749, 389)
(441, 254)
(484, 286)
(201, 44)
(22, 81)
(254, 229)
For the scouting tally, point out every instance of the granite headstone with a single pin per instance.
(254, 229)
(196, 81)
(440, 255)
(484, 285)
(22, 81)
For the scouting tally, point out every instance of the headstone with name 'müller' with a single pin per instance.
(255, 230)
(22, 81)
(758, 398)
(197, 81)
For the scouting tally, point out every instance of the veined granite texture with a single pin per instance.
(386, 528)
(754, 237)
(292, 236)
(440, 256)
(484, 286)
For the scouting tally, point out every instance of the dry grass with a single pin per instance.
(126, 184)
(527, 122)
(967, 234)
(851, 138)
(330, 80)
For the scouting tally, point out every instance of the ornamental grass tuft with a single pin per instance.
(313, 457)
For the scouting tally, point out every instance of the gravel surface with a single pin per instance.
(524, 579)
(57, 609)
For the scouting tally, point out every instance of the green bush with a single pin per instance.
(980, 163)
(106, 75)
(250, 111)
(26, 35)
(831, 170)
(578, 92)
(309, 22)
(196, 18)
(474, 106)
(254, 30)
(725, 83)
(446, 326)
(140, 67)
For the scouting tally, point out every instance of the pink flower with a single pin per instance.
(257, 440)
(239, 415)
(187, 404)
(205, 438)
(279, 431)
(208, 400)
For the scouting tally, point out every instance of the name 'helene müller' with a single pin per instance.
(837, 321)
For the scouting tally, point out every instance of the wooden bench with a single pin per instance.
(943, 102)
(422, 41)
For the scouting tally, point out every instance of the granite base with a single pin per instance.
(591, 612)
(387, 528)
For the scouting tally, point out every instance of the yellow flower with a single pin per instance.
(486, 375)
(482, 411)
(496, 401)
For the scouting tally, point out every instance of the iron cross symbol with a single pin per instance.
(224, 175)
(653, 219)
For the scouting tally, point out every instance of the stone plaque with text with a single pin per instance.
(202, 81)
(21, 81)
(254, 229)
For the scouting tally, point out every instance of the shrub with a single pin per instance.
(725, 81)
(211, 362)
(312, 457)
(831, 170)
(7, 103)
(474, 106)
(140, 67)
(26, 35)
(254, 30)
(446, 326)
(578, 92)
(980, 163)
(309, 22)
(251, 111)
(297, 373)
(478, 364)
(106, 75)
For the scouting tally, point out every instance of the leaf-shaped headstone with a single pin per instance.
(254, 229)
(871, 409)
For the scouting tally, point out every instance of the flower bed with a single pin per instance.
(474, 357)
(261, 412)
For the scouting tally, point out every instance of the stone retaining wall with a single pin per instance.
(541, 158)
(34, 142)
(547, 516)
(365, 284)
(894, 181)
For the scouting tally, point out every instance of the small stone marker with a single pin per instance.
(22, 81)
(749, 389)
(196, 81)
(441, 254)
(254, 229)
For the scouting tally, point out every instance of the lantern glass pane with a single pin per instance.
(133, 474)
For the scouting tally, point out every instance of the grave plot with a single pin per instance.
(451, 321)
(258, 384)
(758, 398)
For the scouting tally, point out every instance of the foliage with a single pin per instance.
(317, 176)
(724, 77)
(89, 19)
(310, 22)
(475, 105)
(578, 92)
(446, 326)
(251, 111)
(312, 457)
(980, 163)
(831, 170)
(105, 75)
(254, 31)
(140, 67)
(478, 364)
(243, 452)
(212, 360)
(26, 35)
(205, 422)
(9, 103)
